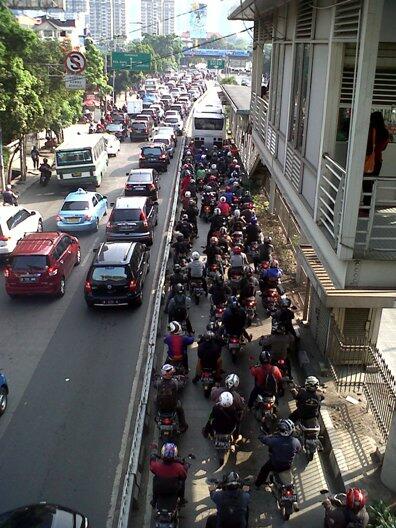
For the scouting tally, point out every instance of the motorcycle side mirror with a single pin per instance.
(112, 204)
(32, 213)
(324, 491)
(191, 456)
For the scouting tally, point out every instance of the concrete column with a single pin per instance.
(272, 195)
(257, 63)
(367, 61)
(388, 473)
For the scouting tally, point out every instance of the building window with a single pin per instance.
(48, 33)
(299, 95)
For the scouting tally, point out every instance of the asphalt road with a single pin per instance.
(71, 373)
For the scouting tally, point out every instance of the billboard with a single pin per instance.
(198, 19)
(36, 4)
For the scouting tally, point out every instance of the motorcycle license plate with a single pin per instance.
(138, 188)
(28, 279)
(166, 427)
(222, 445)
(234, 345)
(289, 498)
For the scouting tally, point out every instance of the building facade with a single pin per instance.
(101, 25)
(331, 67)
(169, 17)
(157, 17)
(119, 18)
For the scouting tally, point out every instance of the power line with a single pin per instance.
(164, 20)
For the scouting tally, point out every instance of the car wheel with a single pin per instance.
(3, 400)
(62, 287)
(90, 305)
(78, 257)
(40, 226)
(139, 299)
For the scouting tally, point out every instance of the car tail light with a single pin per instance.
(87, 217)
(142, 157)
(287, 492)
(151, 187)
(7, 272)
(88, 287)
(234, 340)
(281, 362)
(166, 421)
(4, 238)
(133, 286)
(52, 271)
(128, 186)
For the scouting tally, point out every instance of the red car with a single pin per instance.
(41, 263)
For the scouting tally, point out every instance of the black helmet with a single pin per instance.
(265, 357)
(176, 268)
(232, 480)
(180, 237)
(179, 288)
(233, 303)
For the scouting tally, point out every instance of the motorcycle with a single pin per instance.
(208, 381)
(234, 346)
(168, 425)
(223, 443)
(252, 252)
(206, 212)
(217, 312)
(196, 290)
(250, 308)
(282, 487)
(265, 412)
(45, 176)
(309, 431)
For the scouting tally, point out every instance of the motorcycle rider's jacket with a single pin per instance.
(200, 174)
(237, 225)
(223, 419)
(185, 228)
(228, 195)
(220, 294)
(44, 167)
(234, 322)
(9, 197)
(271, 274)
(225, 208)
(278, 343)
(285, 317)
(308, 403)
(232, 508)
(238, 261)
(248, 287)
(174, 469)
(212, 252)
(282, 449)
(181, 248)
(196, 269)
(268, 377)
(343, 517)
(252, 233)
(247, 214)
(177, 346)
(207, 198)
(176, 278)
(192, 212)
(217, 221)
(209, 352)
(178, 307)
(167, 397)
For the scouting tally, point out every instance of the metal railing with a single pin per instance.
(331, 198)
(376, 227)
(357, 365)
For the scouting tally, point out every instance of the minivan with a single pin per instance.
(140, 130)
(133, 218)
(117, 274)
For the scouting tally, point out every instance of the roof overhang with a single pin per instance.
(235, 108)
(333, 297)
(252, 9)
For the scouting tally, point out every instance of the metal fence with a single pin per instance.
(358, 365)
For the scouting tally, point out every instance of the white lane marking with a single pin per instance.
(89, 254)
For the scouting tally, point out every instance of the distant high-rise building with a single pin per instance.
(157, 16)
(119, 18)
(76, 6)
(101, 20)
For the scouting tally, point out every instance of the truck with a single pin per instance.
(134, 107)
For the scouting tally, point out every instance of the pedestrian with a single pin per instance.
(35, 155)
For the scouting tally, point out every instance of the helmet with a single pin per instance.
(214, 240)
(167, 369)
(188, 153)
(213, 166)
(187, 194)
(285, 427)
(311, 383)
(231, 381)
(226, 399)
(8, 187)
(195, 255)
(169, 451)
(176, 268)
(180, 237)
(217, 211)
(229, 154)
(236, 184)
(236, 250)
(274, 264)
(209, 334)
(237, 213)
(203, 157)
(223, 199)
(179, 288)
(192, 180)
(191, 201)
(223, 230)
(356, 498)
(268, 240)
(248, 271)
(265, 357)
(237, 167)
(231, 481)
(234, 160)
(285, 303)
(175, 327)
(184, 217)
(253, 221)
(185, 166)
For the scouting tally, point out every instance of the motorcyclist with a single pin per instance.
(92, 128)
(228, 194)
(177, 345)
(225, 240)
(246, 197)
(181, 247)
(192, 212)
(45, 169)
(209, 355)
(234, 320)
(249, 285)
(252, 232)
(213, 252)
(179, 306)
(266, 249)
(269, 278)
(9, 197)
(352, 514)
(223, 418)
(176, 278)
(284, 315)
(231, 384)
(232, 503)
(167, 395)
(224, 207)
(308, 400)
(219, 291)
(186, 200)
(196, 270)
(279, 342)
(238, 261)
(237, 223)
(216, 221)
(213, 170)
(283, 447)
(185, 227)
(170, 473)
(192, 187)
(247, 213)
(267, 378)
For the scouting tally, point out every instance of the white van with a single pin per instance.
(82, 161)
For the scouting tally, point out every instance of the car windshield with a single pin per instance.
(29, 262)
(75, 205)
(126, 215)
(151, 151)
(41, 516)
(114, 127)
(73, 157)
(164, 140)
(208, 123)
(141, 177)
(172, 120)
(139, 126)
(109, 273)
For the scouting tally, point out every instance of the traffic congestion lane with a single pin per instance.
(73, 371)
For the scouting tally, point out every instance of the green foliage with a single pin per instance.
(230, 79)
(230, 43)
(95, 70)
(381, 516)
(167, 50)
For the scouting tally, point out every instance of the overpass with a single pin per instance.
(217, 54)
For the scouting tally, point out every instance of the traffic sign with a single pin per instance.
(75, 62)
(75, 82)
(131, 61)
(216, 64)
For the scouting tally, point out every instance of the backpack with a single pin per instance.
(166, 396)
(270, 384)
(179, 310)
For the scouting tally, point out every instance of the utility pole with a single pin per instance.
(2, 175)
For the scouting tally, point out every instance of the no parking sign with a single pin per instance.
(75, 62)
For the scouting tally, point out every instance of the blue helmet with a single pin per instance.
(169, 451)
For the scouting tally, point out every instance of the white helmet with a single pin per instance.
(187, 194)
(226, 399)
(175, 327)
(223, 199)
(217, 211)
(195, 255)
(237, 213)
(311, 383)
(285, 427)
(214, 166)
(166, 369)
(8, 187)
(231, 381)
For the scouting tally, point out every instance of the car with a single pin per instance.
(117, 274)
(15, 222)
(152, 113)
(178, 107)
(3, 393)
(113, 144)
(146, 119)
(81, 211)
(41, 263)
(142, 182)
(159, 110)
(118, 129)
(167, 130)
(154, 156)
(133, 218)
(166, 140)
(140, 130)
(43, 515)
(175, 122)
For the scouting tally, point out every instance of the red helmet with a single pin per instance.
(236, 250)
(356, 498)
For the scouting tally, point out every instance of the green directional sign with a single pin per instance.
(216, 64)
(131, 61)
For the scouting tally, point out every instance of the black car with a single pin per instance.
(140, 130)
(142, 182)
(43, 515)
(117, 274)
(154, 156)
(133, 218)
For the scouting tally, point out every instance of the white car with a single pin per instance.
(15, 223)
(174, 121)
(113, 144)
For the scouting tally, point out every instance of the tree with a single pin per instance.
(167, 50)
(95, 70)
(230, 79)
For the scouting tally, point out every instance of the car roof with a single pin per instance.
(130, 202)
(110, 253)
(161, 136)
(135, 172)
(153, 144)
(37, 243)
(80, 194)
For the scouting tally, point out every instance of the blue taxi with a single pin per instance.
(81, 211)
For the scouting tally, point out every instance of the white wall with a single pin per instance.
(309, 187)
(372, 274)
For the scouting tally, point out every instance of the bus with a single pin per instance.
(208, 129)
(82, 161)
